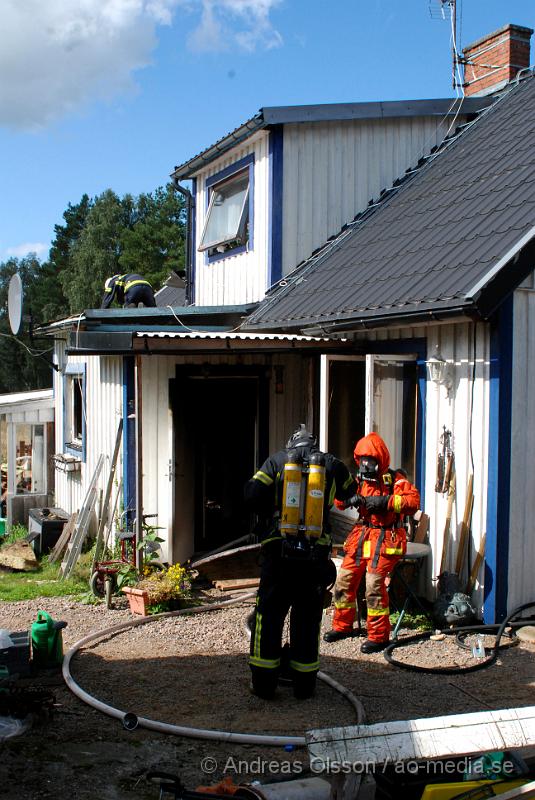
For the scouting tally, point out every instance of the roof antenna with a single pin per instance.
(438, 9)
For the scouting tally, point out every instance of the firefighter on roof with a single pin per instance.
(129, 290)
(293, 490)
(375, 545)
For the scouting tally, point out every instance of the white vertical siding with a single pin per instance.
(522, 510)
(332, 170)
(240, 278)
(102, 413)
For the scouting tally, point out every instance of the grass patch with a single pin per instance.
(45, 581)
(414, 622)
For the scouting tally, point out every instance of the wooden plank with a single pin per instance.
(430, 738)
(476, 566)
(64, 538)
(465, 525)
(74, 548)
(422, 529)
(244, 583)
(106, 504)
(447, 525)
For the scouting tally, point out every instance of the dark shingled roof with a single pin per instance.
(443, 241)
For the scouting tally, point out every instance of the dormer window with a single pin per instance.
(227, 229)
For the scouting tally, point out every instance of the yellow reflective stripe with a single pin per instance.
(257, 633)
(378, 612)
(348, 482)
(108, 289)
(345, 604)
(366, 549)
(135, 283)
(263, 478)
(265, 663)
(272, 539)
(325, 539)
(299, 667)
(396, 503)
(393, 551)
(332, 493)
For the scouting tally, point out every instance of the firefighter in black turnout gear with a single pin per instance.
(293, 491)
(128, 290)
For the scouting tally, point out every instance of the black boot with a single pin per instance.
(373, 647)
(334, 636)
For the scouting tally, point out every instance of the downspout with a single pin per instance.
(190, 204)
(139, 461)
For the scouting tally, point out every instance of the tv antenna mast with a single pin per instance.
(438, 9)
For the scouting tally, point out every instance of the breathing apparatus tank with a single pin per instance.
(315, 496)
(291, 495)
(303, 496)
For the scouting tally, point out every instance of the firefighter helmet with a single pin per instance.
(302, 438)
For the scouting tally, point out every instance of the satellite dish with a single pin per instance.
(14, 303)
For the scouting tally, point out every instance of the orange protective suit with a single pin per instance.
(375, 545)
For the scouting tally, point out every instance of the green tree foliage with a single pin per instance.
(21, 369)
(55, 305)
(95, 254)
(153, 245)
(99, 237)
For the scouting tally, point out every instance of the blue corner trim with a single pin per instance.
(276, 153)
(79, 370)
(248, 161)
(129, 440)
(421, 406)
(499, 466)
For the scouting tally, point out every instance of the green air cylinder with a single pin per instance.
(47, 641)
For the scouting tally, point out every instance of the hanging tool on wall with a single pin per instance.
(445, 462)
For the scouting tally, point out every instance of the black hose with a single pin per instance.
(487, 629)
(449, 631)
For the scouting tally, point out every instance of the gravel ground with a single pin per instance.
(193, 671)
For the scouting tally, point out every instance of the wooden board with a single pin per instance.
(420, 739)
(64, 539)
(238, 562)
(244, 583)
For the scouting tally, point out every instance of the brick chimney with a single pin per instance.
(495, 59)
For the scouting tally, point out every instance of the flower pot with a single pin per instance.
(138, 600)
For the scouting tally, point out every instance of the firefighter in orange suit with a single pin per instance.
(296, 568)
(375, 545)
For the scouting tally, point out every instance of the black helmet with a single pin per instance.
(301, 438)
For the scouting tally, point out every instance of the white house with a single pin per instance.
(307, 303)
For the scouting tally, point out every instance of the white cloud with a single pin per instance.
(226, 24)
(59, 54)
(21, 250)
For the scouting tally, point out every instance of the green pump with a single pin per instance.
(47, 641)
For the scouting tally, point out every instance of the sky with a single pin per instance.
(98, 94)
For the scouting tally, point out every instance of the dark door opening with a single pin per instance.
(219, 429)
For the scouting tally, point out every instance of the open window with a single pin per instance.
(228, 226)
(74, 427)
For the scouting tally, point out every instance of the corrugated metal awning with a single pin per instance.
(210, 341)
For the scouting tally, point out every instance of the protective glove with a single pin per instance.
(376, 504)
(353, 502)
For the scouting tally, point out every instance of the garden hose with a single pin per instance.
(494, 650)
(131, 721)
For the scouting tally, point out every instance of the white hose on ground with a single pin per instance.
(130, 720)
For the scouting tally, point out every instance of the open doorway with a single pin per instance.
(217, 443)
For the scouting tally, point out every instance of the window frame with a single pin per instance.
(211, 183)
(74, 446)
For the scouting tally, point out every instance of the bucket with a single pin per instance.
(47, 641)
